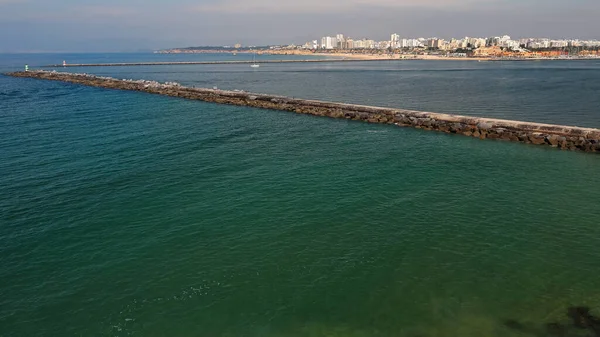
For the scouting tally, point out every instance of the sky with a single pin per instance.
(140, 25)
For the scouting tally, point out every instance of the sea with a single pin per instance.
(130, 214)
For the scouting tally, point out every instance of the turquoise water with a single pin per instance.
(127, 214)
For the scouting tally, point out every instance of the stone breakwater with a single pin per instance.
(71, 65)
(558, 136)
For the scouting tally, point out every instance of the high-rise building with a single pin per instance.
(330, 42)
(340, 41)
(395, 41)
(350, 43)
(360, 44)
(433, 43)
(558, 43)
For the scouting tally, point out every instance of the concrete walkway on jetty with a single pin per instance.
(68, 65)
(558, 136)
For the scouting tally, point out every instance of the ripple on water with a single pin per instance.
(130, 214)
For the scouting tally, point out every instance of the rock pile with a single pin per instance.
(558, 136)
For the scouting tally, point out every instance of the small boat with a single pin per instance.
(254, 64)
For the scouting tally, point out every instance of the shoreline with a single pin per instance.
(324, 58)
(390, 57)
(338, 58)
(387, 57)
(557, 136)
(400, 57)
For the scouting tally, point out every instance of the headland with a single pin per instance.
(557, 136)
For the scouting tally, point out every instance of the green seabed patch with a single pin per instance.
(572, 322)
(438, 320)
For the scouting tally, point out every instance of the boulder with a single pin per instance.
(537, 139)
(402, 119)
(456, 127)
(485, 125)
(443, 127)
(552, 140)
(337, 114)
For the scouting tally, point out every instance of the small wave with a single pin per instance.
(125, 322)
(377, 131)
(13, 94)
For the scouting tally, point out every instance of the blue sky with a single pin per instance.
(131, 25)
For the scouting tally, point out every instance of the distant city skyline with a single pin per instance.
(111, 25)
(396, 41)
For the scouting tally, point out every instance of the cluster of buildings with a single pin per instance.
(341, 42)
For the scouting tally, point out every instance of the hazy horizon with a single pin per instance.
(111, 26)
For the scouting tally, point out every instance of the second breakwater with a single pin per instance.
(129, 64)
(564, 137)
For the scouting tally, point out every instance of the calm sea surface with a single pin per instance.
(128, 214)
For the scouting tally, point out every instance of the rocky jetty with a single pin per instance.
(174, 63)
(558, 136)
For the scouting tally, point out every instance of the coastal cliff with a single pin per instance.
(558, 136)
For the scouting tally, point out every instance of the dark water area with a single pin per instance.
(128, 214)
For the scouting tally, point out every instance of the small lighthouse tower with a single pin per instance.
(64, 63)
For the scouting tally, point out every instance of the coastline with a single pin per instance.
(389, 57)
(557, 136)
(384, 57)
